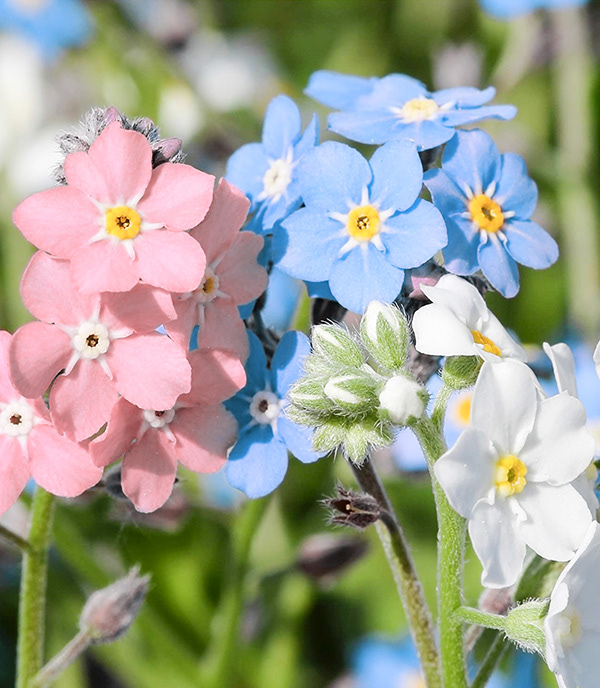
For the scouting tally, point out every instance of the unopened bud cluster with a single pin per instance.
(357, 387)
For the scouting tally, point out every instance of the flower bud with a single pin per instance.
(354, 391)
(336, 344)
(109, 612)
(308, 394)
(402, 400)
(460, 372)
(385, 333)
(350, 508)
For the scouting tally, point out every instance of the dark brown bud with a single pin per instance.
(322, 556)
(348, 508)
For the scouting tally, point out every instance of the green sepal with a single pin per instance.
(385, 333)
(460, 372)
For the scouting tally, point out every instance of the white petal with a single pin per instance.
(557, 519)
(493, 531)
(504, 404)
(440, 333)
(466, 472)
(460, 297)
(494, 330)
(559, 447)
(563, 365)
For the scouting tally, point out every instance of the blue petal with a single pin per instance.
(281, 301)
(529, 244)
(256, 367)
(240, 407)
(499, 268)
(338, 91)
(281, 127)
(333, 176)
(298, 440)
(507, 9)
(258, 462)
(246, 169)
(392, 90)
(460, 255)
(307, 243)
(516, 191)
(397, 175)
(279, 210)
(464, 97)
(428, 134)
(319, 290)
(288, 361)
(415, 236)
(364, 275)
(446, 195)
(454, 118)
(366, 126)
(308, 140)
(471, 158)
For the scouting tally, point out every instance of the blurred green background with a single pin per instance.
(205, 72)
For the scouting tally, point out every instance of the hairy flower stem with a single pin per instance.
(32, 601)
(15, 539)
(471, 615)
(70, 652)
(221, 662)
(400, 560)
(451, 548)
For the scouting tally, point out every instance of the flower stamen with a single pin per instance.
(363, 222)
(486, 342)
(510, 475)
(486, 213)
(123, 222)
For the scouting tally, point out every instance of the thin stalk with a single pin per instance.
(32, 601)
(70, 652)
(223, 660)
(15, 539)
(409, 586)
(498, 647)
(438, 415)
(451, 551)
(471, 615)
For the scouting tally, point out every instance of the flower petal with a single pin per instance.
(516, 191)
(339, 91)
(14, 472)
(204, 435)
(472, 158)
(288, 361)
(123, 427)
(240, 275)
(447, 196)
(390, 189)
(246, 169)
(216, 375)
(498, 266)
(142, 309)
(298, 440)
(281, 126)
(530, 245)
(439, 332)
(563, 367)
(104, 266)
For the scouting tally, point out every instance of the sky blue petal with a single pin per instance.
(471, 158)
(362, 276)
(246, 169)
(460, 255)
(319, 290)
(288, 361)
(298, 440)
(258, 462)
(280, 306)
(256, 367)
(464, 97)
(530, 245)
(338, 91)
(446, 196)
(365, 126)
(415, 236)
(281, 127)
(240, 407)
(499, 268)
(397, 175)
(286, 205)
(245, 311)
(307, 243)
(516, 191)
(308, 140)
(333, 176)
(455, 118)
(392, 90)
(507, 9)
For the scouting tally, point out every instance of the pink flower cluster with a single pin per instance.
(124, 248)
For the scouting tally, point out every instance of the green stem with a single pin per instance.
(15, 539)
(400, 560)
(32, 602)
(471, 615)
(438, 415)
(498, 647)
(221, 663)
(451, 549)
(70, 652)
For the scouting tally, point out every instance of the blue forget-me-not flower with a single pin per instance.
(363, 222)
(487, 200)
(258, 462)
(398, 106)
(266, 171)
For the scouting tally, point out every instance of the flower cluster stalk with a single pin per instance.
(32, 601)
(15, 539)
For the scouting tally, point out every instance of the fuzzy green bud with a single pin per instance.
(524, 625)
(385, 333)
(337, 345)
(460, 372)
(354, 391)
(402, 400)
(355, 437)
(308, 393)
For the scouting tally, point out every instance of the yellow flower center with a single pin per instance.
(488, 344)
(419, 109)
(462, 410)
(123, 222)
(486, 213)
(208, 285)
(363, 222)
(510, 475)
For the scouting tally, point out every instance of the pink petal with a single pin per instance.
(60, 466)
(124, 159)
(149, 471)
(81, 402)
(216, 376)
(38, 352)
(123, 427)
(142, 309)
(178, 196)
(104, 266)
(204, 434)
(240, 276)
(180, 329)
(82, 174)
(48, 293)
(223, 328)
(149, 370)
(7, 391)
(14, 472)
(223, 220)
(58, 220)
(169, 260)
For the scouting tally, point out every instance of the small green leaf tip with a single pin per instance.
(385, 333)
(460, 372)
